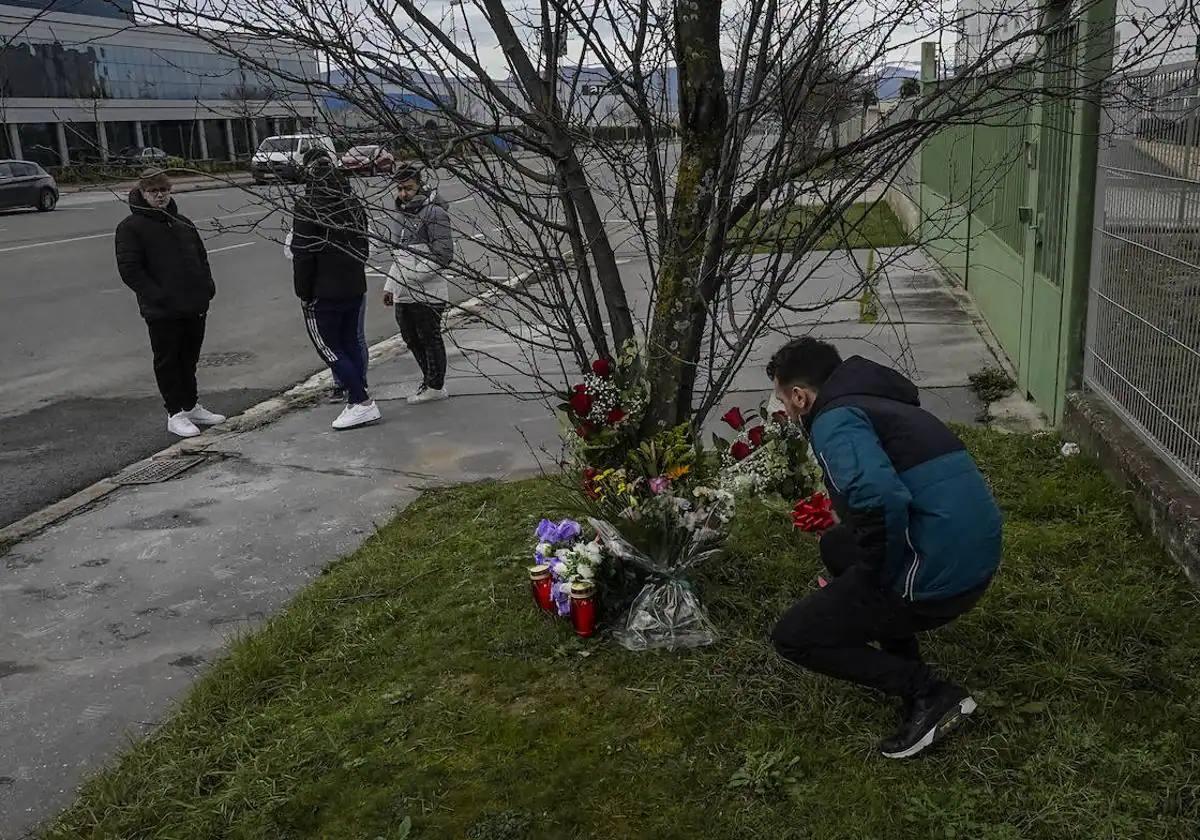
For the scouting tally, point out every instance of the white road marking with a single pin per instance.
(231, 247)
(258, 212)
(461, 200)
(54, 242)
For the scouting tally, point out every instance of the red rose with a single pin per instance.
(739, 451)
(585, 429)
(813, 514)
(779, 416)
(602, 368)
(734, 418)
(580, 389)
(581, 403)
(756, 436)
(589, 482)
(615, 416)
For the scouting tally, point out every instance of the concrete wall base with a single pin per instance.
(1168, 505)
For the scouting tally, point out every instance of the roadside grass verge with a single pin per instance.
(863, 225)
(415, 681)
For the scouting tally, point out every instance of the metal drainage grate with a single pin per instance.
(161, 470)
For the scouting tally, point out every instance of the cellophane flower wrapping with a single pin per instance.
(666, 614)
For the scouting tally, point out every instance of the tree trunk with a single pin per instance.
(680, 312)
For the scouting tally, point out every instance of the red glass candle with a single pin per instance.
(539, 584)
(583, 608)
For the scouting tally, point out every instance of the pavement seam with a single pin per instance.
(261, 414)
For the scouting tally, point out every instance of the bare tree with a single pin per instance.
(719, 198)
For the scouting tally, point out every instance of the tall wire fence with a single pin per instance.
(1143, 337)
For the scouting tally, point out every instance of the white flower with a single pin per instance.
(544, 549)
(1069, 450)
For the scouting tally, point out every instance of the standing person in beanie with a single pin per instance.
(916, 547)
(329, 255)
(161, 257)
(417, 287)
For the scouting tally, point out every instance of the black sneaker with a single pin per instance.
(932, 717)
(337, 395)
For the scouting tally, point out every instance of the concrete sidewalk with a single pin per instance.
(108, 616)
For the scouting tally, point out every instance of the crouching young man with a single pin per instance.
(916, 546)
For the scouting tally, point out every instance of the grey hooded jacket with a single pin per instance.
(422, 244)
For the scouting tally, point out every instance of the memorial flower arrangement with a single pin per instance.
(603, 412)
(571, 558)
(768, 455)
(658, 517)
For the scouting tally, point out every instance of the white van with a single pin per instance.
(282, 157)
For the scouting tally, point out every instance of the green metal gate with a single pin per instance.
(1004, 200)
(1052, 138)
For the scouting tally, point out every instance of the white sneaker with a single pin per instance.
(182, 425)
(201, 416)
(357, 415)
(428, 395)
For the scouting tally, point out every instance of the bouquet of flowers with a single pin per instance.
(571, 558)
(604, 410)
(768, 455)
(665, 530)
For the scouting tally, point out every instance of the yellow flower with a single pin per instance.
(678, 472)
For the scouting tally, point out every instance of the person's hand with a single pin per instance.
(388, 299)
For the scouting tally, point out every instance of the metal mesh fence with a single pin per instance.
(1143, 338)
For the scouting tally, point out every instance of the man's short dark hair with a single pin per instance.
(407, 173)
(805, 361)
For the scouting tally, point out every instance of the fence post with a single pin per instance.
(1095, 60)
(928, 80)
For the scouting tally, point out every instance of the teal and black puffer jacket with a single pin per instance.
(920, 510)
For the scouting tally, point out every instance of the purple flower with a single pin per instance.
(561, 595)
(659, 485)
(558, 533)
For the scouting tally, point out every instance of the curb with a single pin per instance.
(124, 186)
(262, 414)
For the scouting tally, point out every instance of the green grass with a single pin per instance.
(415, 680)
(863, 225)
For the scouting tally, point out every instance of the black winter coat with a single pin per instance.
(329, 245)
(161, 257)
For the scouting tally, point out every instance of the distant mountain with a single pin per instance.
(892, 76)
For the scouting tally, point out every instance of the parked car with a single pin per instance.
(368, 160)
(140, 156)
(282, 158)
(25, 184)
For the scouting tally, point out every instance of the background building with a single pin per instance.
(80, 81)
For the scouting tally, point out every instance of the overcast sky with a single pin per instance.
(458, 18)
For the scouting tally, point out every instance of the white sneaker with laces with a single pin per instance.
(428, 395)
(182, 425)
(201, 416)
(357, 414)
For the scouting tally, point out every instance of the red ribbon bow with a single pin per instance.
(813, 514)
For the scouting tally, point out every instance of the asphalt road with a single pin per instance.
(77, 395)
